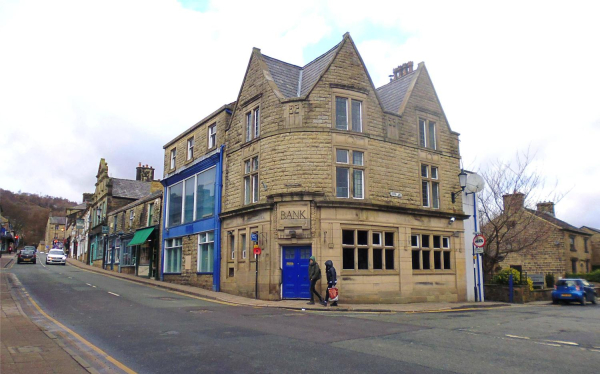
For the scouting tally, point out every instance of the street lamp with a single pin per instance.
(462, 180)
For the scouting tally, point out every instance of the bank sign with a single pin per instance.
(293, 215)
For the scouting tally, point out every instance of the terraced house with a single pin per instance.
(192, 184)
(321, 162)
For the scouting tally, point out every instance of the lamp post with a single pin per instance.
(462, 180)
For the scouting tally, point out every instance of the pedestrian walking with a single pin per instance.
(331, 280)
(314, 274)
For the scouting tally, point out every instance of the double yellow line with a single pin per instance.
(81, 339)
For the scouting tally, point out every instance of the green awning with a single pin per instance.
(140, 236)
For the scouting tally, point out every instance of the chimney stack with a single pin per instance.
(513, 202)
(144, 173)
(547, 207)
(402, 70)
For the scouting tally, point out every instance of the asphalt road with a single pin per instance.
(155, 331)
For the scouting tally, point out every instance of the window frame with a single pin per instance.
(430, 186)
(212, 135)
(173, 159)
(184, 183)
(424, 136)
(175, 243)
(211, 258)
(350, 97)
(370, 247)
(190, 148)
(443, 247)
(351, 168)
(252, 123)
(572, 246)
(251, 180)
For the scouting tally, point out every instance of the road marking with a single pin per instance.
(163, 289)
(112, 293)
(81, 339)
(550, 344)
(561, 342)
(517, 337)
(595, 350)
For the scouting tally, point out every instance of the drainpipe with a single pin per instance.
(218, 194)
(164, 229)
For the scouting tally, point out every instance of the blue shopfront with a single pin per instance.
(191, 239)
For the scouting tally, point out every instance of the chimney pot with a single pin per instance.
(546, 207)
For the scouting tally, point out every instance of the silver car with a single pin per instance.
(56, 256)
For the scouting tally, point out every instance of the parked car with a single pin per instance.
(26, 255)
(31, 247)
(56, 256)
(579, 290)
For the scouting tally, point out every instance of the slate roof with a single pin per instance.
(130, 189)
(557, 222)
(590, 228)
(150, 197)
(392, 94)
(58, 220)
(294, 81)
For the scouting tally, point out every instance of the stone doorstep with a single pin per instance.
(240, 300)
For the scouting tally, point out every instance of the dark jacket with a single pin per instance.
(331, 274)
(314, 271)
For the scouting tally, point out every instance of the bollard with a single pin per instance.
(511, 291)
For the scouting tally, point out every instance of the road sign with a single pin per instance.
(105, 229)
(254, 237)
(479, 241)
(256, 249)
(478, 250)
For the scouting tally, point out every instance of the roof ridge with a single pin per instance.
(397, 80)
(323, 55)
(276, 59)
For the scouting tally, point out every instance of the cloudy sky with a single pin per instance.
(81, 80)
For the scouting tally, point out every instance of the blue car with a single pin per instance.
(578, 290)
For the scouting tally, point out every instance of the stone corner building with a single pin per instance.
(321, 162)
(562, 248)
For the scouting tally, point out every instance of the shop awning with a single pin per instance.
(140, 236)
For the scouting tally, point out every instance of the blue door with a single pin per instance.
(295, 272)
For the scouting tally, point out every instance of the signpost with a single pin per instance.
(478, 244)
(257, 252)
(105, 229)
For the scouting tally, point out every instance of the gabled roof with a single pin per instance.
(556, 221)
(591, 229)
(152, 196)
(294, 81)
(392, 94)
(130, 189)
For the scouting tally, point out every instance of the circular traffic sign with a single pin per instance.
(479, 241)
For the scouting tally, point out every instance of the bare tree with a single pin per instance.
(506, 207)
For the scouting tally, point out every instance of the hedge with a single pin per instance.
(594, 276)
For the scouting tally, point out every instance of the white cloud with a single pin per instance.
(119, 79)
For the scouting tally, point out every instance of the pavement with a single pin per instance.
(24, 346)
